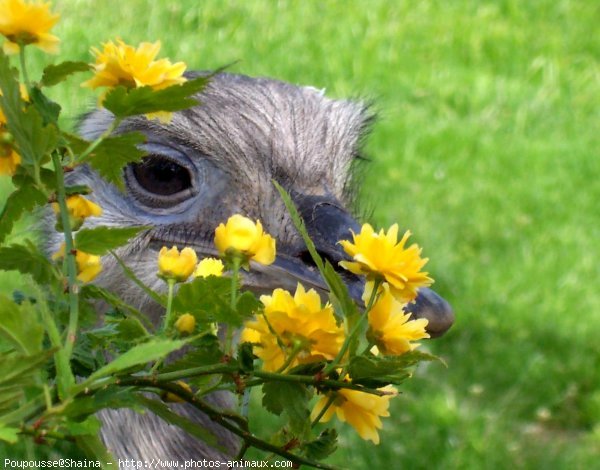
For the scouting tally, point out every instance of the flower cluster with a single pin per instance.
(294, 329)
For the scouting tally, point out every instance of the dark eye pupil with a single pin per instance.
(161, 176)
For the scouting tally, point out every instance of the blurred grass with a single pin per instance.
(487, 149)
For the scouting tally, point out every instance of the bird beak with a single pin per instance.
(327, 223)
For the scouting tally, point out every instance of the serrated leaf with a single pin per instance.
(114, 153)
(194, 429)
(378, 371)
(22, 200)
(208, 299)
(140, 354)
(289, 398)
(20, 325)
(123, 102)
(100, 240)
(28, 260)
(54, 74)
(48, 109)
(322, 446)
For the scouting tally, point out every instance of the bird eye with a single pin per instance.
(161, 176)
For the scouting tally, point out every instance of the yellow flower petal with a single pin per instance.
(209, 267)
(381, 256)
(124, 65)
(391, 328)
(27, 23)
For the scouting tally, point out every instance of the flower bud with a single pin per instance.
(186, 324)
(175, 265)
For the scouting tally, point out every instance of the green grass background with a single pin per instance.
(487, 148)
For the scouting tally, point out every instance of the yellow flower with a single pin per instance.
(123, 65)
(88, 266)
(294, 325)
(27, 23)
(9, 160)
(391, 328)
(209, 267)
(175, 265)
(359, 409)
(79, 208)
(244, 236)
(381, 256)
(186, 324)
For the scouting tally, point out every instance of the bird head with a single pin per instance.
(220, 158)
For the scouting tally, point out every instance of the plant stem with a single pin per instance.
(330, 401)
(333, 364)
(235, 269)
(69, 258)
(169, 314)
(218, 417)
(24, 67)
(86, 153)
(305, 379)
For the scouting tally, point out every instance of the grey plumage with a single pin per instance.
(245, 133)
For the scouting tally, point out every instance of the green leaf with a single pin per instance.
(95, 450)
(246, 357)
(54, 74)
(247, 305)
(131, 329)
(18, 367)
(322, 446)
(33, 140)
(100, 240)
(48, 109)
(89, 426)
(20, 325)
(91, 291)
(10, 435)
(208, 299)
(289, 398)
(207, 351)
(27, 259)
(162, 410)
(78, 189)
(336, 285)
(123, 102)
(114, 153)
(378, 371)
(112, 397)
(140, 354)
(21, 201)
